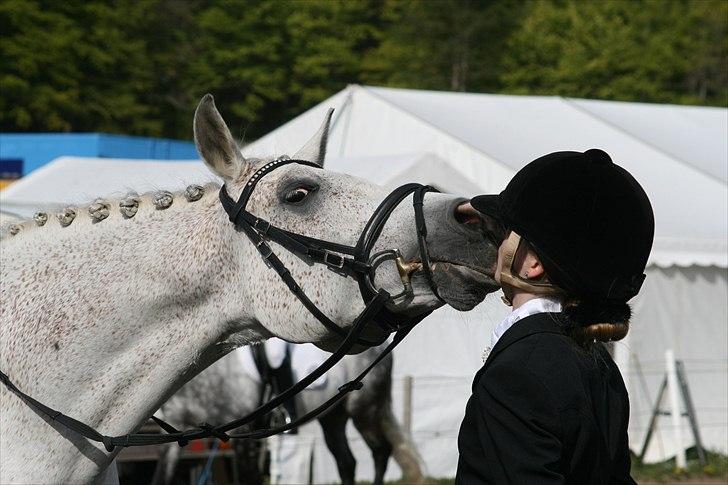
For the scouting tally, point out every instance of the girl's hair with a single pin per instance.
(596, 321)
(591, 321)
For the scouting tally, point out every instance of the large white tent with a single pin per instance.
(467, 144)
(678, 153)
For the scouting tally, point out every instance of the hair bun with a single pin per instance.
(604, 332)
(603, 321)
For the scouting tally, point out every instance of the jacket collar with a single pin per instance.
(530, 325)
(542, 304)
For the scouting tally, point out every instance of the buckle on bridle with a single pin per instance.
(264, 230)
(264, 249)
(328, 254)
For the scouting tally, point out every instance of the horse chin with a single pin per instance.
(462, 287)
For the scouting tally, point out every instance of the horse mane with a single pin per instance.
(101, 208)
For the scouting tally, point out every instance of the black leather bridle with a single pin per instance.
(355, 261)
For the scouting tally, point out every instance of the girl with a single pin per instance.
(549, 405)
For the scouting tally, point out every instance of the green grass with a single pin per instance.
(717, 467)
(666, 472)
(428, 481)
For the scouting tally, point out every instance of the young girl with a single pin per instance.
(549, 405)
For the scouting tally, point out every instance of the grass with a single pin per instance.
(715, 471)
(666, 471)
(428, 481)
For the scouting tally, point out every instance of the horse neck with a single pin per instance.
(136, 307)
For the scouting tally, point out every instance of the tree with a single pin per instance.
(40, 89)
(76, 66)
(651, 50)
(269, 61)
(443, 44)
(140, 66)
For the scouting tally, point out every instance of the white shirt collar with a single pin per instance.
(542, 304)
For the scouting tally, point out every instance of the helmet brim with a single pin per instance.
(489, 205)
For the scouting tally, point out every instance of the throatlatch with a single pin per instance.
(357, 262)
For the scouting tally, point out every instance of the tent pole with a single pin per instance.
(675, 414)
(692, 417)
(653, 419)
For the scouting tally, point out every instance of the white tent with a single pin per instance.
(79, 180)
(678, 153)
(467, 144)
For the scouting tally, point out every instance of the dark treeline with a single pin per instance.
(139, 66)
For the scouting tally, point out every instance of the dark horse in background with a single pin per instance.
(226, 391)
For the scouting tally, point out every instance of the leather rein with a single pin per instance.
(355, 261)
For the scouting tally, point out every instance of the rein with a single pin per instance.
(355, 261)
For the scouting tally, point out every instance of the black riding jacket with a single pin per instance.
(545, 411)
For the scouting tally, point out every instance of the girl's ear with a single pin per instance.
(534, 268)
(527, 263)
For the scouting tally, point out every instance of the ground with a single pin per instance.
(664, 473)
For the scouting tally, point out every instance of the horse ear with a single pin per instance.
(214, 142)
(315, 149)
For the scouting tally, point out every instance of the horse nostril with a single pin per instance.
(465, 214)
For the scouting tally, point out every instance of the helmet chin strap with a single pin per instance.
(511, 280)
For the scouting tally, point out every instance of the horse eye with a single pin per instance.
(296, 195)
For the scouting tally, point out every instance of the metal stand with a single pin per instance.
(407, 408)
(684, 391)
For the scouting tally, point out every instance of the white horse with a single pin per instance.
(106, 310)
(226, 390)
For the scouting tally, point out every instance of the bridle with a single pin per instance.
(354, 261)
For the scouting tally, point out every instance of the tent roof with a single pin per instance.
(678, 153)
(78, 180)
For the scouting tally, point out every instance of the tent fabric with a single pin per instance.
(79, 180)
(684, 309)
(704, 127)
(487, 138)
(393, 171)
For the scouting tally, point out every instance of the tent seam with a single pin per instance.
(572, 102)
(432, 125)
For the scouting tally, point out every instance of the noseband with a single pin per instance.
(357, 262)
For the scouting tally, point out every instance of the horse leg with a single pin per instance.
(111, 475)
(166, 465)
(381, 449)
(384, 436)
(249, 461)
(333, 425)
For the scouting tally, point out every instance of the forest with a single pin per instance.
(139, 66)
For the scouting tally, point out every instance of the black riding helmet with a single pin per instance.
(588, 219)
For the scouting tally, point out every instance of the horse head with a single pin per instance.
(305, 200)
